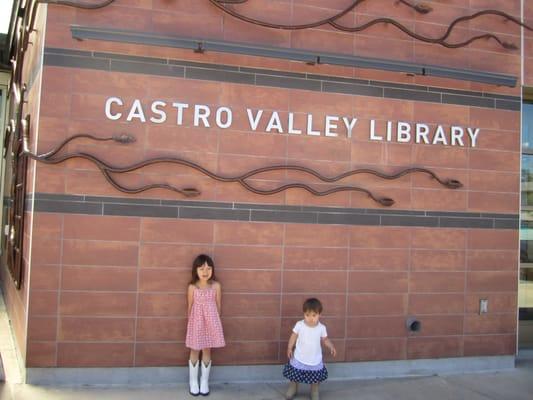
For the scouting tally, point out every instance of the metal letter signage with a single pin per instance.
(204, 116)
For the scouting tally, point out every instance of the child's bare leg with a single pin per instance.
(292, 390)
(314, 391)
(206, 356)
(194, 356)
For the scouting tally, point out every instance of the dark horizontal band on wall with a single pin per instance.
(307, 56)
(272, 78)
(188, 209)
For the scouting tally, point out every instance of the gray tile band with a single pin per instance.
(348, 219)
(417, 95)
(508, 105)
(297, 217)
(219, 75)
(77, 61)
(468, 101)
(353, 89)
(147, 68)
(190, 209)
(68, 207)
(454, 222)
(140, 210)
(288, 82)
(273, 78)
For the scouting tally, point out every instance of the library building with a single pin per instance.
(376, 155)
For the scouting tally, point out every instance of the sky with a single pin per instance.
(5, 14)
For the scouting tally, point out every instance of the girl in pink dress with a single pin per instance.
(204, 329)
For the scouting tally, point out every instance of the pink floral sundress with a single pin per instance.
(204, 329)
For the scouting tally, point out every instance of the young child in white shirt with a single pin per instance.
(305, 360)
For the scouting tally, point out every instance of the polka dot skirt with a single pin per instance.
(304, 376)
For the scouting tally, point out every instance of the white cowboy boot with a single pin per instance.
(193, 378)
(204, 379)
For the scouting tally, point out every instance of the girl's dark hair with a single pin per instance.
(198, 262)
(312, 304)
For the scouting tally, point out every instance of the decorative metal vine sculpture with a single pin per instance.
(418, 7)
(52, 157)
(227, 6)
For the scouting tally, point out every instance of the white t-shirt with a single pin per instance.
(308, 349)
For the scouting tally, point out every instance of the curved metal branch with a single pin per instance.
(124, 138)
(107, 169)
(421, 8)
(449, 183)
(187, 192)
(441, 40)
(385, 201)
(219, 4)
(418, 7)
(486, 12)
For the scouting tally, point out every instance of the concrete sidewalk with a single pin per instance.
(514, 384)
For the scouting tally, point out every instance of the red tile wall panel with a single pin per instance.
(127, 276)
(365, 303)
